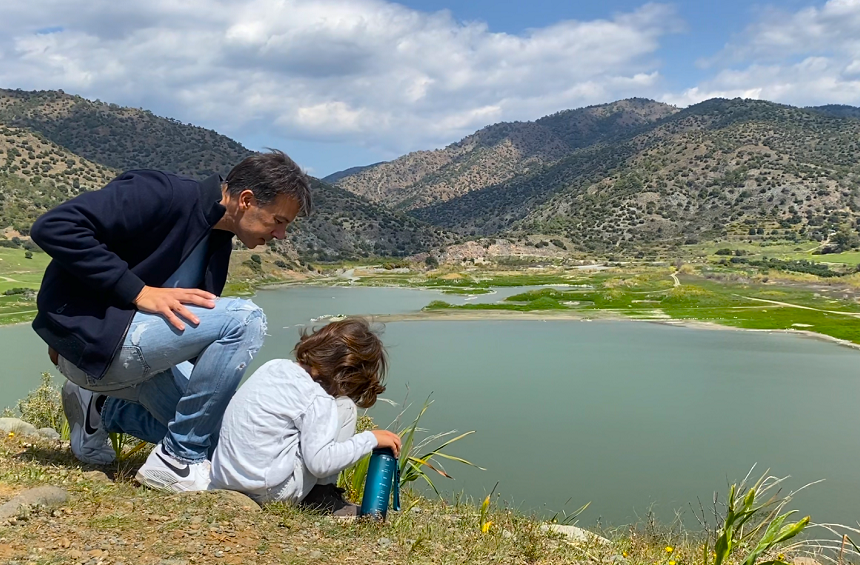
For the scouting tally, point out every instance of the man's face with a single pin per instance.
(257, 224)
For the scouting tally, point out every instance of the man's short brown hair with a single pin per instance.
(269, 174)
(346, 358)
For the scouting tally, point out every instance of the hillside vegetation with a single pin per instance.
(36, 174)
(118, 137)
(742, 169)
(496, 154)
(53, 145)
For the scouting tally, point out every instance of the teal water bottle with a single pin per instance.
(383, 476)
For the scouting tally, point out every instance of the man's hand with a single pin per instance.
(169, 303)
(384, 438)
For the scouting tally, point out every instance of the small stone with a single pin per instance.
(97, 476)
(315, 554)
(384, 542)
(76, 554)
(48, 433)
(506, 534)
(39, 496)
(416, 510)
(64, 543)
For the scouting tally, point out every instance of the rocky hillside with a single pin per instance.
(53, 145)
(496, 154)
(37, 174)
(718, 168)
(118, 137)
(346, 226)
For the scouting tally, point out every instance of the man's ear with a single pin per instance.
(247, 199)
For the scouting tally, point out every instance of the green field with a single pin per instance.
(652, 296)
(17, 272)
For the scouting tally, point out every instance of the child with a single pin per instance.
(289, 430)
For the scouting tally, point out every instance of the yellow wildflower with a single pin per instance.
(486, 527)
(11, 435)
(669, 549)
(624, 554)
(781, 557)
(671, 563)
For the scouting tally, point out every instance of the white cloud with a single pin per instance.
(369, 72)
(808, 57)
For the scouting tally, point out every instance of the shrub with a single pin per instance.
(43, 407)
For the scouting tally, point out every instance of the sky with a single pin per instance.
(340, 83)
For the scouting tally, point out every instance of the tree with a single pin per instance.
(844, 239)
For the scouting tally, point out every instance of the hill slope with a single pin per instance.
(719, 167)
(497, 153)
(37, 174)
(61, 144)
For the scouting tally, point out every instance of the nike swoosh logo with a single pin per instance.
(181, 471)
(87, 426)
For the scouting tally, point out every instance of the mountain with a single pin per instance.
(334, 177)
(55, 145)
(346, 226)
(718, 168)
(118, 137)
(36, 174)
(741, 168)
(837, 110)
(497, 154)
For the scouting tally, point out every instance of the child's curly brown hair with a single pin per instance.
(346, 358)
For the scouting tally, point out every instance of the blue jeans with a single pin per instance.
(156, 395)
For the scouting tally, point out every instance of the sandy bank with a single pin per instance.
(476, 315)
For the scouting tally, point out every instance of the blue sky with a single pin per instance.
(338, 83)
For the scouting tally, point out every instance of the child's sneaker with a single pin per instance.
(162, 471)
(88, 438)
(329, 498)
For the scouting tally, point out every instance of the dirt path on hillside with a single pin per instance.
(789, 305)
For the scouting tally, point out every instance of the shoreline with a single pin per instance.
(551, 315)
(484, 315)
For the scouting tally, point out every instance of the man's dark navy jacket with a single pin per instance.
(107, 244)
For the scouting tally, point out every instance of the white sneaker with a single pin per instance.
(89, 439)
(162, 471)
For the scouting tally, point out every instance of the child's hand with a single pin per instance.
(384, 438)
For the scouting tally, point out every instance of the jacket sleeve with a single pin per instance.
(79, 233)
(321, 454)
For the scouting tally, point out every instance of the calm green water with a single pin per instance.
(629, 416)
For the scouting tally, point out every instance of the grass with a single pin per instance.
(109, 518)
(732, 304)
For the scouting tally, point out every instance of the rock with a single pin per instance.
(39, 496)
(18, 427)
(315, 554)
(96, 476)
(384, 542)
(48, 433)
(575, 534)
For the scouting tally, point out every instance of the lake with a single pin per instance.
(630, 416)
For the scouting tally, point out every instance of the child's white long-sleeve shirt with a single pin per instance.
(278, 436)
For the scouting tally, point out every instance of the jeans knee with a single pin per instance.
(249, 321)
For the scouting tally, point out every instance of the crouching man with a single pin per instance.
(130, 309)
